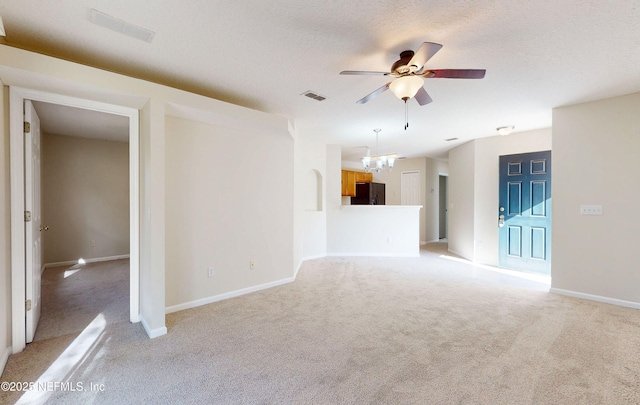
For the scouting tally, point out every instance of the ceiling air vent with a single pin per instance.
(313, 95)
(121, 26)
(451, 139)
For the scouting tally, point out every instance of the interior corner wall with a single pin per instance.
(595, 162)
(229, 202)
(486, 183)
(5, 227)
(473, 191)
(85, 198)
(461, 200)
(429, 171)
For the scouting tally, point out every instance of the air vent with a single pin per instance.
(121, 26)
(451, 139)
(313, 95)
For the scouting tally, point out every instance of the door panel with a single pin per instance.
(525, 212)
(33, 245)
(410, 188)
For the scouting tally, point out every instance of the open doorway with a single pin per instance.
(19, 250)
(442, 206)
(85, 217)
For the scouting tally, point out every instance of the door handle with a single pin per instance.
(44, 228)
(501, 221)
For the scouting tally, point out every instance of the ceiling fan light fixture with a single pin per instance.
(406, 87)
(505, 130)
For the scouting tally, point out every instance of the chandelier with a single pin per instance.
(377, 162)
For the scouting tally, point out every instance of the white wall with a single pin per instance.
(228, 202)
(5, 236)
(310, 198)
(376, 230)
(596, 149)
(473, 191)
(85, 197)
(461, 199)
(429, 170)
(155, 102)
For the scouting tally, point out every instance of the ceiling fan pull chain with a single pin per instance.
(406, 115)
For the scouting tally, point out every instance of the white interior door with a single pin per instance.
(410, 188)
(33, 219)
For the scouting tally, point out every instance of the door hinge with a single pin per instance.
(27, 305)
(27, 127)
(27, 216)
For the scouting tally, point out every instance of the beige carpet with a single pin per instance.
(423, 330)
(73, 296)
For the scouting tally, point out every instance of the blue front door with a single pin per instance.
(524, 213)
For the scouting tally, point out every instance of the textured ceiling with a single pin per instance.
(264, 54)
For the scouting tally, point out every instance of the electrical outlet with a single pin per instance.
(252, 265)
(591, 210)
(210, 271)
(93, 243)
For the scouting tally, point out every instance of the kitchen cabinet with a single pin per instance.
(349, 180)
(363, 177)
(348, 183)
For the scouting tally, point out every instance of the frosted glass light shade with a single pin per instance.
(406, 87)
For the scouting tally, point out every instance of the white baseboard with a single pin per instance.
(598, 298)
(231, 294)
(313, 257)
(373, 254)
(94, 260)
(3, 360)
(153, 333)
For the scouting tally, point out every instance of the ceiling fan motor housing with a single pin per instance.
(401, 65)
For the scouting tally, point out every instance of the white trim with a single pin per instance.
(94, 260)
(372, 254)
(16, 162)
(313, 257)
(232, 294)
(598, 298)
(5, 356)
(17, 95)
(153, 333)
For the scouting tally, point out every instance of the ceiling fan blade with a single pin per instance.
(362, 72)
(424, 53)
(373, 94)
(422, 97)
(454, 73)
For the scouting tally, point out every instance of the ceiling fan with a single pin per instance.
(409, 72)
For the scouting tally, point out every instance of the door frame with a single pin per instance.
(17, 95)
(443, 209)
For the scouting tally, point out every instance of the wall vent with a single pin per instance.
(451, 139)
(121, 26)
(313, 95)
